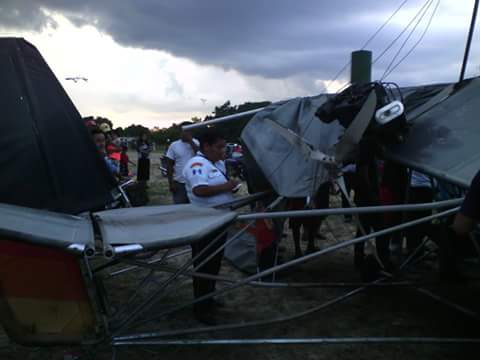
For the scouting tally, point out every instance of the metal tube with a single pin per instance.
(361, 67)
(127, 249)
(130, 268)
(354, 210)
(307, 258)
(222, 119)
(129, 302)
(153, 298)
(269, 284)
(77, 249)
(448, 303)
(304, 341)
(469, 41)
(242, 201)
(418, 260)
(235, 237)
(242, 325)
(229, 241)
(124, 195)
(412, 255)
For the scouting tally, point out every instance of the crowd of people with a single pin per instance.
(114, 152)
(197, 174)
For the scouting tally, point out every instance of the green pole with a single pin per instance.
(361, 71)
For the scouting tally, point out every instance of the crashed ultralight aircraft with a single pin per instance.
(55, 229)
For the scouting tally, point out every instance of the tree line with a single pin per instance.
(163, 136)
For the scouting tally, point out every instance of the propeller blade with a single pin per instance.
(292, 137)
(296, 140)
(353, 134)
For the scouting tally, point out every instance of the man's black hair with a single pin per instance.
(96, 130)
(210, 137)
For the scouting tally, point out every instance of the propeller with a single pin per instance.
(347, 144)
(307, 149)
(353, 134)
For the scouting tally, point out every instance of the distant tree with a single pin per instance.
(136, 130)
(232, 130)
(163, 136)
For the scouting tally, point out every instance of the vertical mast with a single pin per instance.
(361, 70)
(469, 41)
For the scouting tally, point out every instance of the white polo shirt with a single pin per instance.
(201, 171)
(180, 152)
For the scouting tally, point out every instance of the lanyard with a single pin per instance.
(215, 166)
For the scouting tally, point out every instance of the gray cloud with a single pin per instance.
(20, 15)
(274, 39)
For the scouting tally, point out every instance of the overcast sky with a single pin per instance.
(154, 62)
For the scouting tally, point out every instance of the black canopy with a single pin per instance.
(445, 132)
(47, 157)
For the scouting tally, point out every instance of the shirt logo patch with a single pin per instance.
(196, 168)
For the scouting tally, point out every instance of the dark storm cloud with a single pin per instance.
(22, 15)
(276, 38)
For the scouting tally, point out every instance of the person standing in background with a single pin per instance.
(143, 149)
(178, 154)
(98, 137)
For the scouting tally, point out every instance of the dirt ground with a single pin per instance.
(387, 311)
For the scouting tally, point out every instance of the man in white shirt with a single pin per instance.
(178, 154)
(208, 185)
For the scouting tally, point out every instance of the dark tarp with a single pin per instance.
(444, 138)
(47, 157)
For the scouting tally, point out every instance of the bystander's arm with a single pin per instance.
(171, 183)
(211, 190)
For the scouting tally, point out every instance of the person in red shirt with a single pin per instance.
(124, 160)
